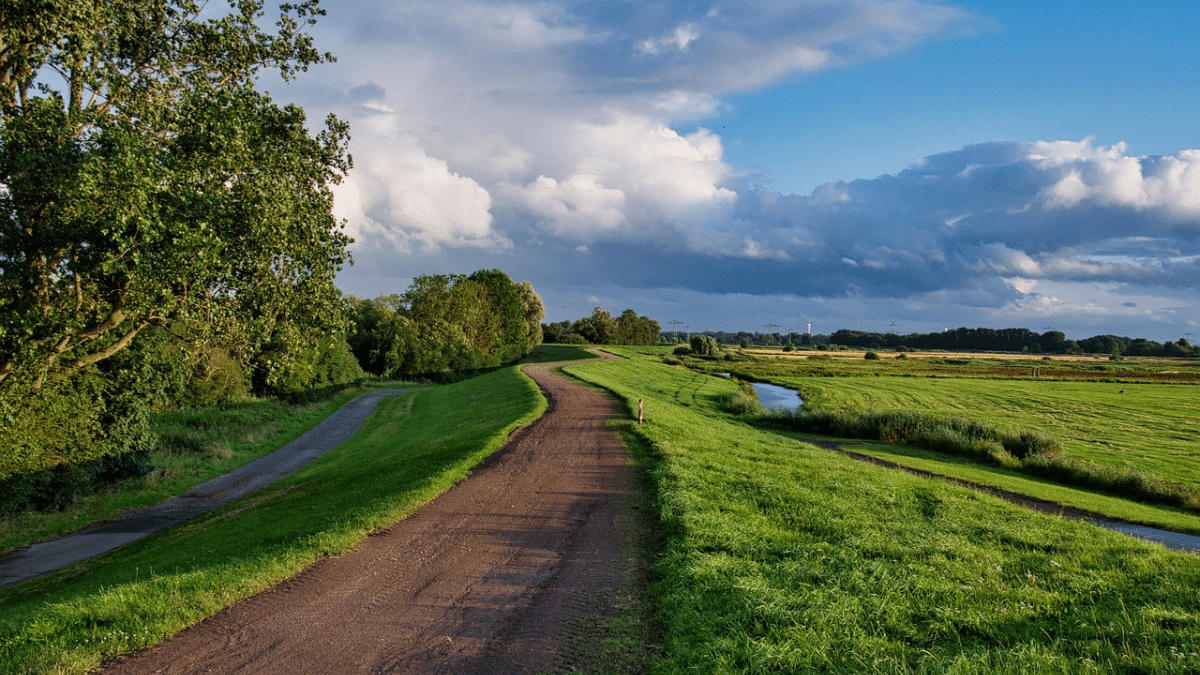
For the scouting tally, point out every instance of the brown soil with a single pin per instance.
(494, 576)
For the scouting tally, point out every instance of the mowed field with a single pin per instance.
(1143, 413)
(1154, 427)
(779, 557)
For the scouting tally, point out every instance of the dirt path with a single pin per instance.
(491, 577)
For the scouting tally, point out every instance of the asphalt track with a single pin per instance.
(48, 556)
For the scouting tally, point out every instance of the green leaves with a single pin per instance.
(145, 182)
(447, 323)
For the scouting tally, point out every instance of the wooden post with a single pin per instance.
(641, 410)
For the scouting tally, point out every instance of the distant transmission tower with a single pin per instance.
(769, 326)
(675, 324)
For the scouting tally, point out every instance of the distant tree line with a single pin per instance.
(601, 328)
(963, 339)
(1014, 340)
(446, 322)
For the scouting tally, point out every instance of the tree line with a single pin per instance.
(167, 238)
(602, 328)
(1014, 340)
(446, 322)
(966, 339)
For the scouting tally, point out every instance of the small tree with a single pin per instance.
(704, 345)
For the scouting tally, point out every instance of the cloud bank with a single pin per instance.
(543, 138)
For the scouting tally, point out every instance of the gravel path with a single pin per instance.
(490, 577)
(48, 556)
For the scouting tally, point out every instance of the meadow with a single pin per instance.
(1124, 427)
(1153, 427)
(414, 447)
(776, 556)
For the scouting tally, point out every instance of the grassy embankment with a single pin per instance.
(1153, 427)
(780, 557)
(1130, 438)
(414, 447)
(1153, 515)
(194, 446)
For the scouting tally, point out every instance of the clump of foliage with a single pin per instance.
(871, 356)
(743, 402)
(704, 345)
(602, 328)
(447, 323)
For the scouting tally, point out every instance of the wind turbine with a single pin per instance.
(810, 322)
(945, 327)
(893, 326)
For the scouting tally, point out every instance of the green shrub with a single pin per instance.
(704, 345)
(743, 402)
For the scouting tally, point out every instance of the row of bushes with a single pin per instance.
(56, 488)
(1029, 453)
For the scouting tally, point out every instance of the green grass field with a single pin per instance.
(1163, 517)
(1154, 427)
(779, 557)
(414, 447)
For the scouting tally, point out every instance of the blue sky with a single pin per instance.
(733, 164)
(1114, 71)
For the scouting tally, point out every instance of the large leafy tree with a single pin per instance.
(150, 189)
(145, 181)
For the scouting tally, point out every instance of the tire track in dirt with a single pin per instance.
(484, 579)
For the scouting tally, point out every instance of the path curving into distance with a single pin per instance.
(493, 576)
(48, 556)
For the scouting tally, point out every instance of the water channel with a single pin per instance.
(773, 396)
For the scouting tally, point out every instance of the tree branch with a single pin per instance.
(111, 349)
